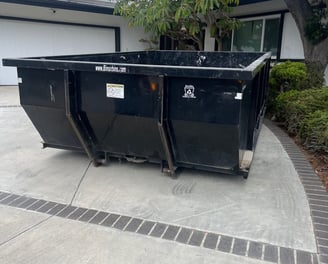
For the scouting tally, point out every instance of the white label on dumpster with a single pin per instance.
(114, 90)
(110, 68)
(239, 96)
(20, 80)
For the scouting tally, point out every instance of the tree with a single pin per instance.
(311, 20)
(180, 20)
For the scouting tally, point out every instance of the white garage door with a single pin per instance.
(26, 39)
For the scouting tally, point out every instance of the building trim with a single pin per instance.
(281, 28)
(117, 39)
(106, 8)
(248, 2)
(117, 30)
(103, 8)
(261, 14)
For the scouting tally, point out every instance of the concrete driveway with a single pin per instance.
(57, 208)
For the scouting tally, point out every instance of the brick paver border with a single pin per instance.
(179, 234)
(315, 191)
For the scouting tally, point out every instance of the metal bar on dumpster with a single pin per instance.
(71, 119)
(163, 129)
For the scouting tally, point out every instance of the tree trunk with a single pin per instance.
(326, 2)
(201, 40)
(200, 45)
(314, 54)
(219, 42)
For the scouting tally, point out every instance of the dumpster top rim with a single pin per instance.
(55, 63)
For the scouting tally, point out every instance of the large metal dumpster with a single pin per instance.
(199, 110)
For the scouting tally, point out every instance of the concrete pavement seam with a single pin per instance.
(32, 227)
(80, 182)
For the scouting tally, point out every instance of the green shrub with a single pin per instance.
(305, 115)
(282, 104)
(291, 110)
(314, 131)
(288, 76)
(314, 77)
(284, 77)
(293, 106)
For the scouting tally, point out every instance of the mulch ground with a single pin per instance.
(319, 163)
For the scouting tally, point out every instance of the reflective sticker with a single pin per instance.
(114, 90)
(189, 91)
(20, 80)
(239, 96)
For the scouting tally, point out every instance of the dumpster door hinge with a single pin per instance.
(74, 119)
(163, 129)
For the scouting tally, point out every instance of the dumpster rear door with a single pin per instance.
(204, 116)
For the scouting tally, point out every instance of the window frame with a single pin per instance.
(263, 18)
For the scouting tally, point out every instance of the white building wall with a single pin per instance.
(209, 43)
(129, 36)
(27, 39)
(30, 39)
(291, 44)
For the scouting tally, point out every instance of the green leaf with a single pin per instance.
(167, 17)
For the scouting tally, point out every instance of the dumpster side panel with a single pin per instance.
(252, 113)
(204, 121)
(262, 90)
(43, 99)
(258, 89)
(244, 115)
(123, 111)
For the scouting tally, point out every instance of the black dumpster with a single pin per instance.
(199, 110)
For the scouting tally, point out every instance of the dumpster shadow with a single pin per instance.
(208, 174)
(180, 172)
(123, 162)
(62, 154)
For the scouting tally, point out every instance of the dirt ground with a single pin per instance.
(319, 162)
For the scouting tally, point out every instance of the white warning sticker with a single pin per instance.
(114, 90)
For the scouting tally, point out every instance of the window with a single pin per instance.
(255, 34)
(248, 37)
(271, 35)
